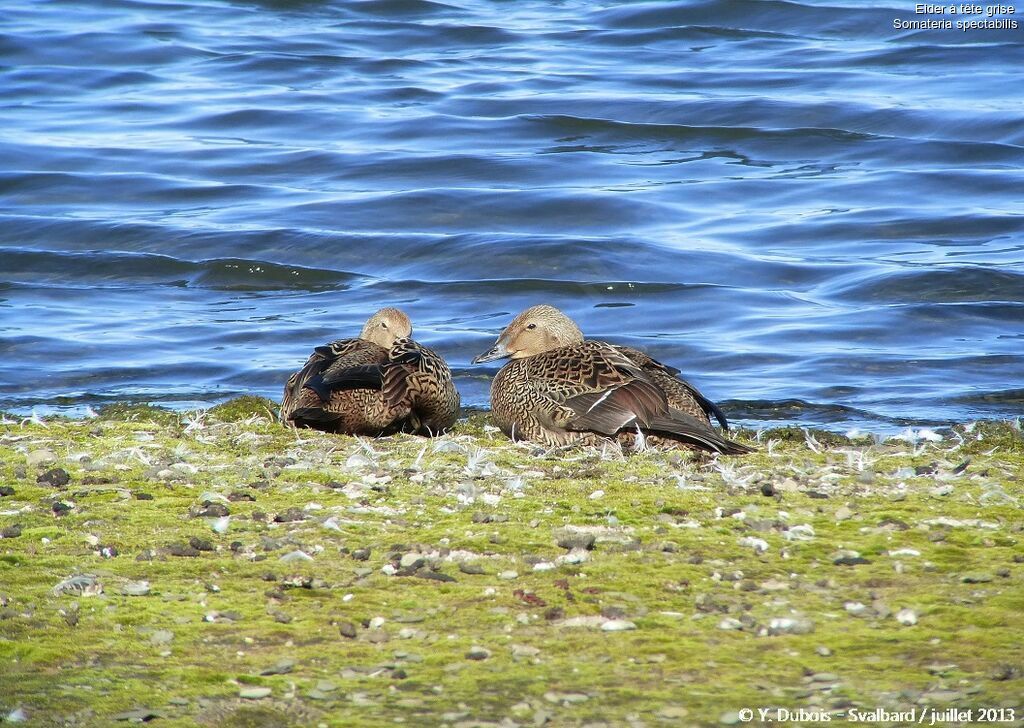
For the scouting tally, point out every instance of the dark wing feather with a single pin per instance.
(690, 429)
(621, 405)
(647, 363)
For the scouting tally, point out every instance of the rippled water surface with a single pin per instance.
(818, 218)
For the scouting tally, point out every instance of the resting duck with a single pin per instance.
(560, 389)
(380, 383)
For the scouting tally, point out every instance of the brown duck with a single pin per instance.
(559, 389)
(379, 383)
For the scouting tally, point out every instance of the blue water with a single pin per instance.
(819, 218)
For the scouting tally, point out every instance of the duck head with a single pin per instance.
(534, 331)
(386, 326)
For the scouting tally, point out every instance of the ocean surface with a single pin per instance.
(818, 217)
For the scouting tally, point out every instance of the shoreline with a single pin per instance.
(217, 568)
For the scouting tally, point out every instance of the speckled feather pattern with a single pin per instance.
(416, 392)
(537, 398)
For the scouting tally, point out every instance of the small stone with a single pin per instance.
(468, 567)
(730, 718)
(427, 573)
(361, 554)
(290, 515)
(140, 715)
(60, 508)
(40, 457)
(730, 623)
(254, 693)
(179, 549)
(377, 636)
(6, 490)
(478, 653)
(767, 490)
(201, 544)
(411, 560)
(942, 491)
(11, 531)
(618, 625)
(135, 589)
(576, 540)
(56, 477)
(906, 617)
(976, 578)
(283, 667)
(161, 637)
(843, 513)
(823, 651)
(850, 560)
(673, 712)
(347, 629)
(508, 575)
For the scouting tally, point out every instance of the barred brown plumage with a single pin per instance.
(377, 384)
(560, 389)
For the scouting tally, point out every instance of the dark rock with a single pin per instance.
(200, 544)
(576, 540)
(426, 573)
(56, 477)
(815, 494)
(236, 546)
(767, 490)
(240, 495)
(347, 629)
(60, 508)
(6, 490)
(11, 531)
(180, 549)
(144, 496)
(290, 515)
(19, 472)
(362, 554)
(212, 510)
(467, 567)
(259, 516)
(140, 715)
(850, 561)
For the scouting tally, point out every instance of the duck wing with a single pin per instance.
(607, 392)
(654, 367)
(342, 364)
(417, 384)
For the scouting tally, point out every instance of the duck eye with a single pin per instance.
(531, 326)
(384, 325)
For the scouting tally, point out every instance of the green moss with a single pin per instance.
(243, 408)
(677, 553)
(123, 412)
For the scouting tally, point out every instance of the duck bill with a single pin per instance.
(498, 351)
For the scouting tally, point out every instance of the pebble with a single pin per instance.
(6, 490)
(411, 560)
(254, 693)
(136, 589)
(56, 477)
(283, 667)
(976, 578)
(508, 575)
(362, 554)
(730, 718)
(297, 555)
(290, 515)
(161, 637)
(478, 653)
(467, 567)
(576, 540)
(40, 457)
(618, 625)
(347, 629)
(906, 617)
(730, 623)
(566, 698)
(790, 625)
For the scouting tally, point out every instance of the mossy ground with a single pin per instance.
(785, 578)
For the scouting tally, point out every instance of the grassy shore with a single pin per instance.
(219, 569)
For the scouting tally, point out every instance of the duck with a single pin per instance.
(559, 388)
(379, 383)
